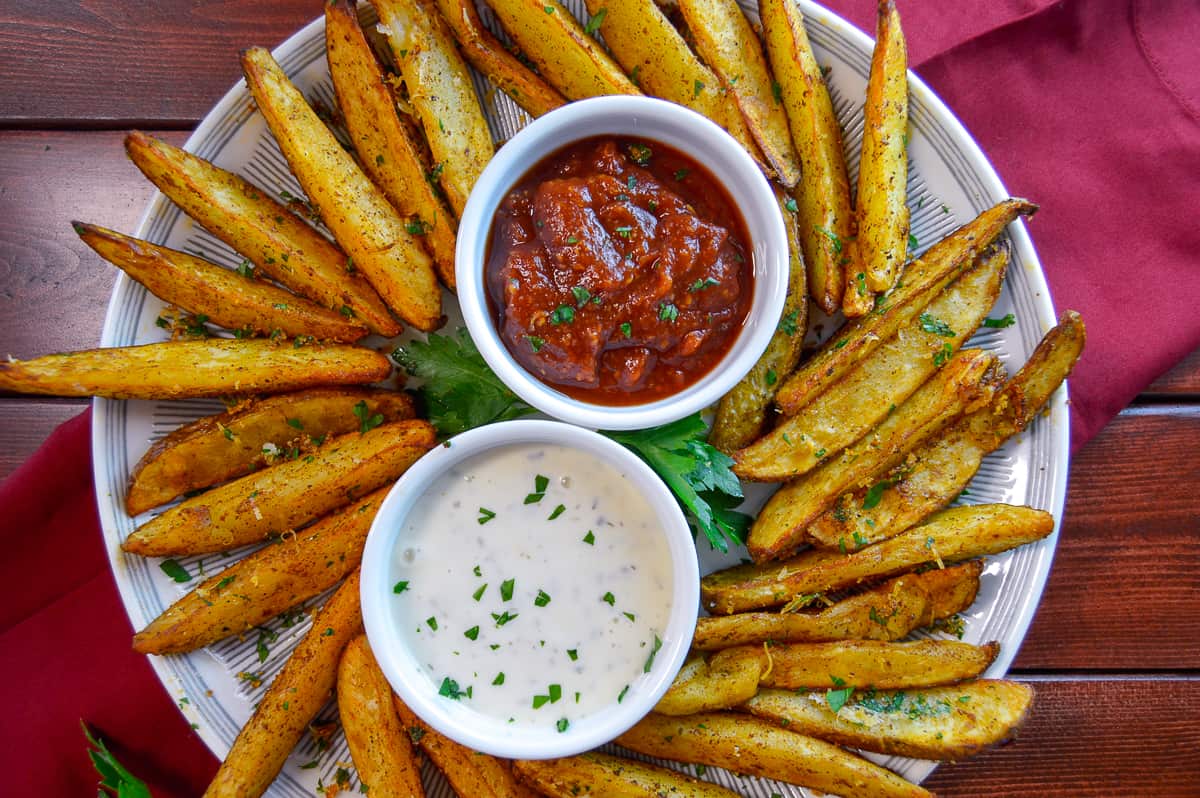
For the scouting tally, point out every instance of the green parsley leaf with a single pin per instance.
(449, 689)
(499, 680)
(640, 153)
(573, 654)
(536, 345)
(557, 512)
(936, 326)
(589, 538)
(627, 329)
(175, 571)
(838, 698)
(431, 621)
(700, 285)
(582, 295)
(506, 589)
(837, 241)
(667, 312)
(680, 174)
(1007, 320)
(912, 242)
(113, 775)
(562, 724)
(621, 695)
(485, 515)
(609, 599)
(504, 617)
(563, 314)
(697, 87)
(472, 633)
(789, 323)
(942, 355)
(478, 594)
(653, 653)
(366, 421)
(790, 204)
(400, 586)
(595, 21)
(543, 598)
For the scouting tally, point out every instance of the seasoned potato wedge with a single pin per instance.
(225, 297)
(294, 698)
(937, 471)
(277, 241)
(953, 535)
(823, 196)
(216, 448)
(356, 211)
(945, 723)
(718, 681)
(386, 149)
(379, 745)
(612, 777)
(285, 496)
(757, 748)
(440, 91)
(876, 663)
(263, 584)
(924, 279)
(189, 369)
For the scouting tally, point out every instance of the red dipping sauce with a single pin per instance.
(618, 271)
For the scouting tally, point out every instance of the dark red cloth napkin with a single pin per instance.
(1089, 107)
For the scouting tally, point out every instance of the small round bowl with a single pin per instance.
(702, 141)
(457, 720)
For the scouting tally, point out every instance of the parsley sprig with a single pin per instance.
(114, 778)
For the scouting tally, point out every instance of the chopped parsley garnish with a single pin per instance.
(680, 174)
(653, 653)
(246, 269)
(582, 295)
(472, 633)
(573, 654)
(506, 589)
(609, 599)
(1007, 320)
(594, 22)
(838, 698)
(697, 87)
(432, 623)
(416, 227)
(366, 421)
(621, 695)
(540, 483)
(572, 239)
(449, 689)
(113, 776)
(400, 586)
(589, 538)
(936, 326)
(543, 598)
(667, 312)
(175, 571)
(771, 377)
(535, 343)
(875, 493)
(504, 617)
(624, 231)
(700, 285)
(499, 680)
(562, 724)
(789, 323)
(478, 594)
(563, 314)
(640, 153)
(485, 515)
(630, 616)
(559, 510)
(943, 354)
(833, 237)
(912, 242)
(627, 329)
(860, 280)
(777, 91)
(790, 204)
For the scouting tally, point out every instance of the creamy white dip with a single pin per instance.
(533, 584)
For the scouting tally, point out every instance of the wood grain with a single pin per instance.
(1184, 379)
(25, 425)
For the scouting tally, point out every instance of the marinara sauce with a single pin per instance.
(618, 271)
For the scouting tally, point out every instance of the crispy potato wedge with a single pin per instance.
(386, 149)
(216, 448)
(379, 745)
(566, 56)
(285, 496)
(940, 723)
(969, 379)
(742, 413)
(826, 218)
(718, 681)
(189, 369)
(924, 279)
(949, 536)
(263, 584)
(937, 471)
(844, 413)
(275, 240)
(758, 748)
(487, 54)
(883, 664)
(881, 208)
(362, 220)
(292, 701)
(857, 299)
(440, 91)
(225, 297)
(728, 44)
(612, 777)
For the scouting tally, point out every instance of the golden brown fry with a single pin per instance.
(729, 45)
(386, 150)
(881, 209)
(292, 700)
(356, 211)
(263, 584)
(285, 496)
(189, 369)
(823, 196)
(440, 91)
(718, 681)
(937, 471)
(225, 297)
(924, 279)
(757, 748)
(275, 240)
(876, 663)
(612, 777)
(380, 747)
(487, 54)
(857, 299)
(216, 448)
(960, 533)
(945, 723)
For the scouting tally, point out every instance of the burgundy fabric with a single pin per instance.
(1089, 107)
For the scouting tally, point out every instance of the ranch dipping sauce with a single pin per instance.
(532, 584)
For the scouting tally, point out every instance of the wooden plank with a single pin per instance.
(25, 424)
(1184, 379)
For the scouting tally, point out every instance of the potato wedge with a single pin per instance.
(757, 748)
(440, 91)
(566, 56)
(953, 535)
(189, 369)
(857, 299)
(881, 208)
(225, 298)
(823, 197)
(380, 747)
(285, 496)
(742, 413)
(386, 149)
(728, 44)
(937, 471)
(294, 698)
(940, 723)
(869, 392)
(277, 241)
(718, 681)
(263, 584)
(487, 54)
(969, 379)
(362, 220)
(216, 448)
(882, 664)
(612, 777)
(924, 279)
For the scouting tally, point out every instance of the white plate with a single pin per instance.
(950, 182)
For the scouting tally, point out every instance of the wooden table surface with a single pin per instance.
(1114, 651)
